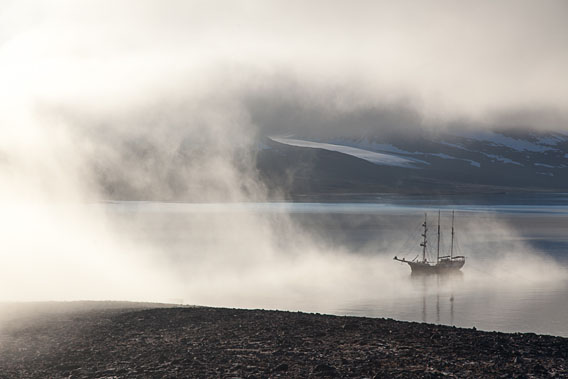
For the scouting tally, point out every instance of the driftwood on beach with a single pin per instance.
(232, 343)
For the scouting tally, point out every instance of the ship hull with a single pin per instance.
(442, 267)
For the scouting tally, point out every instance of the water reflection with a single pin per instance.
(442, 278)
(443, 286)
(452, 309)
(467, 301)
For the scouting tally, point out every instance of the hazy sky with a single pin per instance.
(488, 60)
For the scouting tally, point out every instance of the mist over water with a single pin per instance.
(93, 111)
(330, 258)
(337, 258)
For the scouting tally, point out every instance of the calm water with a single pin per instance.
(335, 257)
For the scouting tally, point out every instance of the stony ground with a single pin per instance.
(231, 343)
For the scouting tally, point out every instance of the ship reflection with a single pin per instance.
(438, 278)
(437, 289)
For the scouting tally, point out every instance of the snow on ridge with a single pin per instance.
(544, 165)
(457, 146)
(364, 144)
(502, 159)
(370, 156)
(390, 148)
(446, 156)
(551, 140)
(497, 139)
(492, 156)
(442, 155)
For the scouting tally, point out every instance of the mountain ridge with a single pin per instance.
(512, 160)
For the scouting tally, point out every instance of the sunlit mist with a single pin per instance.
(129, 133)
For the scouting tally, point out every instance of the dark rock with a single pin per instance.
(281, 367)
(215, 342)
(325, 370)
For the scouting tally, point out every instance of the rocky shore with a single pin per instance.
(162, 342)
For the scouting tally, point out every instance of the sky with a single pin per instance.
(495, 63)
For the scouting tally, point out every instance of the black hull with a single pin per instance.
(445, 266)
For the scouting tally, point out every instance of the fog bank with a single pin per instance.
(106, 97)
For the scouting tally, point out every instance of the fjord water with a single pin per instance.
(335, 256)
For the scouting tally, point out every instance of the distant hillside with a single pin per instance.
(297, 165)
(462, 161)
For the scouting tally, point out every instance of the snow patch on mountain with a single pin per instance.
(502, 159)
(457, 146)
(370, 156)
(473, 163)
(496, 139)
(442, 155)
(374, 146)
(446, 156)
(552, 140)
(545, 165)
(491, 156)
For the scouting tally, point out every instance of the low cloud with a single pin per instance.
(88, 89)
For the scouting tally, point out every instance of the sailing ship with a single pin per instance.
(443, 264)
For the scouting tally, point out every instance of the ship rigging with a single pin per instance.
(442, 264)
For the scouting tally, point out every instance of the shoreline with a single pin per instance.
(138, 340)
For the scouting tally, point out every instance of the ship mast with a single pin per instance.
(452, 246)
(423, 244)
(438, 249)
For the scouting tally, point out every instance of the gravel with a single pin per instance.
(201, 342)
